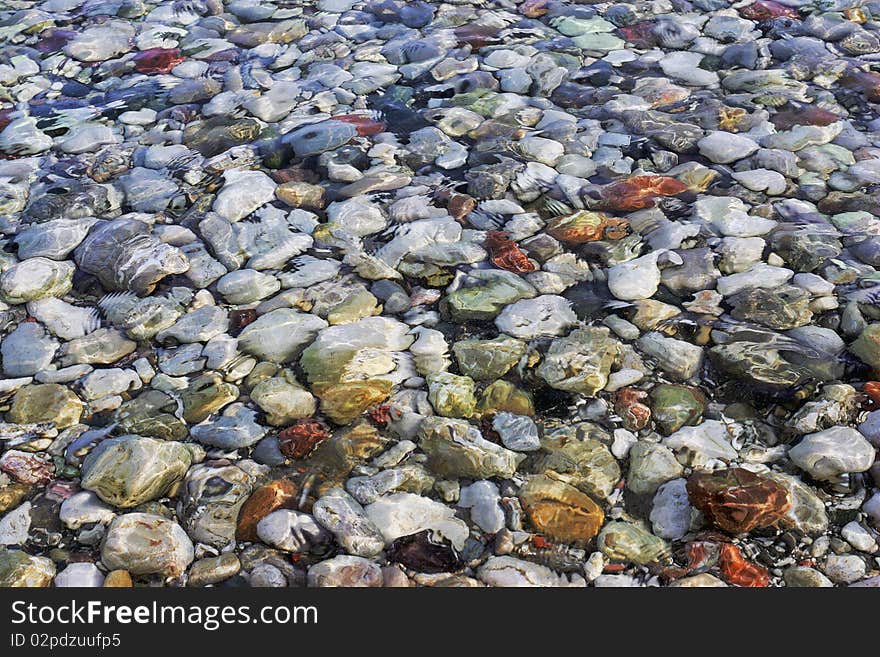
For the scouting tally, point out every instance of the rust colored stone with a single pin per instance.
(561, 512)
(737, 570)
(737, 500)
(157, 60)
(298, 441)
(871, 395)
(381, 415)
(639, 192)
(765, 10)
(803, 115)
(460, 205)
(277, 494)
(640, 35)
(628, 405)
(364, 124)
(505, 254)
(701, 556)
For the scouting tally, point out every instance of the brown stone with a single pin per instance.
(639, 192)
(13, 495)
(118, 579)
(737, 500)
(561, 512)
(301, 195)
(277, 494)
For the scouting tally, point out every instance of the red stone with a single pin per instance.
(365, 125)
(628, 405)
(278, 494)
(298, 441)
(157, 60)
(640, 35)
(737, 500)
(639, 192)
(27, 467)
(701, 556)
(871, 395)
(381, 415)
(765, 10)
(735, 569)
(505, 254)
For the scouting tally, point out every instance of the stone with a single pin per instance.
(674, 406)
(487, 360)
(345, 571)
(844, 568)
(867, 346)
(560, 511)
(130, 470)
(242, 193)
(341, 514)
(506, 571)
(451, 395)
(20, 569)
(283, 399)
(546, 315)
(457, 449)
(79, 575)
(671, 510)
(403, 514)
(622, 541)
(586, 464)
(15, 525)
(651, 465)
(725, 147)
(828, 454)
(737, 500)
(581, 362)
(144, 544)
(518, 432)
(48, 402)
(484, 502)
(291, 531)
(213, 570)
(704, 444)
(805, 577)
(277, 494)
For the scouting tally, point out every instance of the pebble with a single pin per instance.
(80, 575)
(144, 543)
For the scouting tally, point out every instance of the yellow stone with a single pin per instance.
(504, 396)
(560, 511)
(118, 579)
(343, 402)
